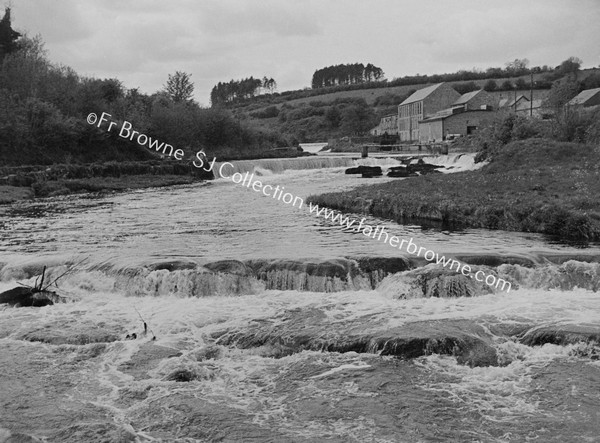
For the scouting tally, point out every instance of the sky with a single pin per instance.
(141, 42)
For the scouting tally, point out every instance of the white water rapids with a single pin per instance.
(273, 325)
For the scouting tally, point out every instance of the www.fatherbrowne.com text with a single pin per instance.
(126, 131)
(396, 242)
(378, 233)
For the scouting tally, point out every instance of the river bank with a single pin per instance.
(28, 182)
(11, 194)
(32, 181)
(535, 185)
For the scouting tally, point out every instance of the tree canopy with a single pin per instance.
(236, 90)
(179, 87)
(8, 36)
(44, 106)
(346, 74)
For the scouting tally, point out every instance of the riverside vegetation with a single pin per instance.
(43, 109)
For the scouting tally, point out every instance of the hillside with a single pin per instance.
(318, 118)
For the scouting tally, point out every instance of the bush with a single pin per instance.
(490, 85)
(463, 88)
(270, 112)
(577, 125)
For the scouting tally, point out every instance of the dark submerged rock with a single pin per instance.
(310, 329)
(25, 296)
(181, 375)
(365, 170)
(413, 169)
(561, 335)
(400, 171)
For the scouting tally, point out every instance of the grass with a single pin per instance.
(533, 185)
(100, 184)
(10, 194)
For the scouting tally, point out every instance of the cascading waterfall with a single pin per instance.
(278, 166)
(397, 278)
(452, 162)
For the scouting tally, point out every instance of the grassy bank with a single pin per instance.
(30, 181)
(26, 182)
(533, 185)
(11, 194)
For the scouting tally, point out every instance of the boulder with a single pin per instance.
(371, 171)
(400, 171)
(304, 329)
(423, 168)
(26, 296)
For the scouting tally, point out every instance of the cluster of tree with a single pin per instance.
(237, 90)
(514, 68)
(346, 74)
(567, 68)
(43, 110)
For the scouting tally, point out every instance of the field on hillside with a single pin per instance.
(370, 95)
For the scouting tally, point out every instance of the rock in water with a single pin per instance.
(24, 296)
(373, 171)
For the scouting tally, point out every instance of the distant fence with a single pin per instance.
(435, 148)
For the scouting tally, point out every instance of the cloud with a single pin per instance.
(141, 42)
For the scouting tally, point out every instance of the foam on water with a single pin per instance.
(260, 387)
(150, 252)
(455, 162)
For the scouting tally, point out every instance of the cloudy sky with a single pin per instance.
(142, 41)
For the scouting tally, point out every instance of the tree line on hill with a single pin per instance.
(544, 77)
(346, 74)
(43, 110)
(236, 90)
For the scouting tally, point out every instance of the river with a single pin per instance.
(267, 323)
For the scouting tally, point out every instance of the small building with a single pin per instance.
(512, 104)
(474, 100)
(532, 108)
(455, 121)
(589, 97)
(424, 102)
(388, 125)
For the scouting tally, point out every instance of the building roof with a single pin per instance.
(584, 96)
(466, 97)
(420, 94)
(446, 113)
(510, 102)
(525, 106)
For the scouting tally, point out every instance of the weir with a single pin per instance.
(395, 277)
(278, 165)
(453, 162)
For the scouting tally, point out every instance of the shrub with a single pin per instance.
(490, 85)
(270, 112)
(463, 88)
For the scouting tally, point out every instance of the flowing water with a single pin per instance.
(267, 323)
